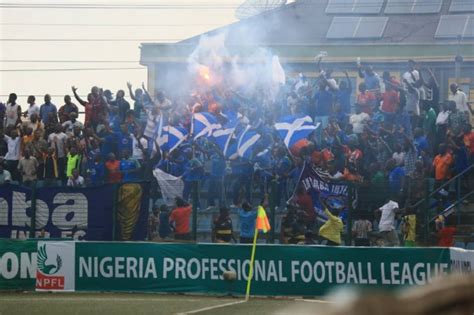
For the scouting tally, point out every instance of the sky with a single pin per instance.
(38, 36)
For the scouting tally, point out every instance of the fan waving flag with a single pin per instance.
(173, 136)
(262, 220)
(292, 129)
(247, 140)
(203, 124)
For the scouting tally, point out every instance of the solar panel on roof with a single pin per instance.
(356, 27)
(340, 6)
(354, 6)
(413, 6)
(469, 30)
(427, 6)
(462, 6)
(399, 6)
(368, 6)
(371, 27)
(452, 26)
(342, 27)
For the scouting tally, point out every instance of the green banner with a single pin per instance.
(279, 270)
(17, 265)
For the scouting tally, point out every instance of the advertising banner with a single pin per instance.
(279, 270)
(17, 265)
(75, 213)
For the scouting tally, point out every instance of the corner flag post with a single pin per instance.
(261, 224)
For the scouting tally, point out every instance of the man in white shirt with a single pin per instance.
(387, 223)
(139, 145)
(459, 97)
(73, 122)
(359, 120)
(13, 154)
(32, 108)
(75, 180)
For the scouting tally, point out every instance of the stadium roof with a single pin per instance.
(389, 30)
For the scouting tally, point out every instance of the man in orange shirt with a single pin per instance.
(180, 216)
(112, 167)
(366, 99)
(442, 163)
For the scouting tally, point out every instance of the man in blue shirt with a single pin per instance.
(129, 167)
(124, 140)
(47, 108)
(343, 95)
(247, 216)
(396, 179)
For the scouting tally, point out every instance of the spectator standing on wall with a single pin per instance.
(331, 230)
(180, 217)
(387, 223)
(361, 230)
(222, 230)
(247, 223)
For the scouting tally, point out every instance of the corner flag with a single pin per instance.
(261, 225)
(262, 220)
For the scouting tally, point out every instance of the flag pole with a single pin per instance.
(252, 259)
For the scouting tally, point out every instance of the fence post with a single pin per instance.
(273, 203)
(458, 198)
(349, 216)
(114, 210)
(426, 208)
(195, 208)
(33, 211)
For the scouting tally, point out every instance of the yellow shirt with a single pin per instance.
(332, 229)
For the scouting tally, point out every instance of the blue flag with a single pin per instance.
(292, 128)
(247, 140)
(173, 137)
(203, 124)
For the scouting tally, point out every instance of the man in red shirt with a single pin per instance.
(180, 216)
(446, 230)
(390, 100)
(366, 99)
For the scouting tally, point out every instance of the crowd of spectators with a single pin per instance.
(396, 135)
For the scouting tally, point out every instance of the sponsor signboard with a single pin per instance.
(279, 270)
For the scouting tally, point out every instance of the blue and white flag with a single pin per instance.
(173, 137)
(292, 129)
(246, 142)
(203, 124)
(224, 135)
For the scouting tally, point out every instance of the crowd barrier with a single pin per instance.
(199, 268)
